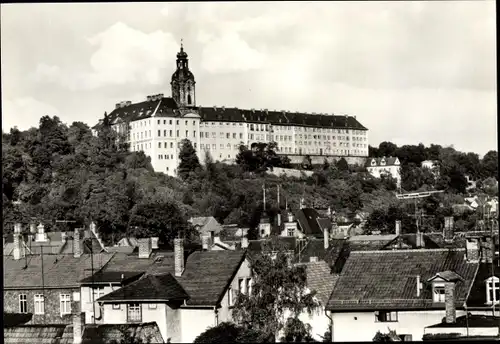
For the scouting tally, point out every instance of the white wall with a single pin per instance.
(361, 326)
(473, 331)
(194, 322)
(86, 301)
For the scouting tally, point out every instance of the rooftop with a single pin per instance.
(472, 320)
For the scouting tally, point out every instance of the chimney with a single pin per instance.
(420, 239)
(472, 251)
(78, 326)
(17, 228)
(18, 246)
(290, 216)
(77, 249)
(326, 238)
(154, 242)
(487, 250)
(144, 247)
(41, 236)
(419, 286)
(63, 236)
(278, 219)
(205, 242)
(398, 227)
(449, 300)
(244, 242)
(179, 256)
(448, 228)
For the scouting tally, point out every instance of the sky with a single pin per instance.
(410, 72)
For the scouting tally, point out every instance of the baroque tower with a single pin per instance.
(183, 83)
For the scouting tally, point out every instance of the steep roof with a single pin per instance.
(36, 334)
(409, 241)
(166, 107)
(477, 296)
(206, 224)
(307, 219)
(153, 287)
(106, 277)
(320, 279)
(115, 333)
(389, 161)
(369, 242)
(388, 279)
(60, 271)
(206, 275)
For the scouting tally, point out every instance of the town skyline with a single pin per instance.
(426, 70)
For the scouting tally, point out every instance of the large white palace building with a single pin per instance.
(158, 125)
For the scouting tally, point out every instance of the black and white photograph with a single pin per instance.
(249, 172)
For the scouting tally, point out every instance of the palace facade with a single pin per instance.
(159, 124)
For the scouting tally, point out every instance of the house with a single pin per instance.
(183, 296)
(79, 333)
(469, 327)
(405, 290)
(48, 286)
(206, 226)
(306, 222)
(380, 166)
(432, 165)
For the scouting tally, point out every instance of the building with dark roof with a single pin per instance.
(405, 290)
(385, 165)
(158, 124)
(183, 295)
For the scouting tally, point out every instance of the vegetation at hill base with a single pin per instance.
(60, 172)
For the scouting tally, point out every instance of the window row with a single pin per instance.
(176, 122)
(140, 147)
(39, 304)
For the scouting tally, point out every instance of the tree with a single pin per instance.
(342, 165)
(296, 331)
(387, 149)
(489, 165)
(414, 177)
(391, 336)
(227, 332)
(306, 163)
(279, 289)
(188, 160)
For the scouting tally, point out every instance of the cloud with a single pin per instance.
(124, 55)
(25, 112)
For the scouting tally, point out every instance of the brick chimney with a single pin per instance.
(420, 239)
(448, 229)
(179, 256)
(18, 251)
(449, 300)
(419, 286)
(154, 242)
(78, 327)
(144, 247)
(398, 227)
(205, 242)
(326, 238)
(487, 250)
(77, 248)
(472, 251)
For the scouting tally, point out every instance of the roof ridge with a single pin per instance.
(411, 250)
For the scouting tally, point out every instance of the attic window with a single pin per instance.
(493, 290)
(438, 292)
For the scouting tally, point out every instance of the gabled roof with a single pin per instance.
(388, 279)
(448, 276)
(206, 276)
(409, 241)
(320, 279)
(389, 161)
(307, 219)
(153, 287)
(115, 333)
(477, 296)
(206, 224)
(60, 271)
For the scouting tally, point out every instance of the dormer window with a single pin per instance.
(438, 292)
(374, 162)
(492, 290)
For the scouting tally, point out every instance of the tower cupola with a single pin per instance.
(183, 83)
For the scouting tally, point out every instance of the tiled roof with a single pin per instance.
(324, 223)
(307, 219)
(60, 271)
(369, 242)
(115, 333)
(388, 279)
(206, 224)
(39, 334)
(206, 274)
(16, 319)
(288, 243)
(166, 107)
(107, 277)
(320, 279)
(471, 321)
(153, 287)
(409, 241)
(316, 248)
(477, 296)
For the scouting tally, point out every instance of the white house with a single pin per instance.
(404, 290)
(380, 166)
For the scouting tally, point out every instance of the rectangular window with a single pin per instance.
(177, 122)
(134, 312)
(194, 133)
(171, 145)
(221, 146)
(158, 121)
(439, 294)
(98, 292)
(39, 304)
(384, 316)
(177, 133)
(159, 144)
(241, 135)
(116, 306)
(248, 286)
(187, 133)
(165, 132)
(164, 145)
(186, 123)
(221, 135)
(241, 286)
(234, 135)
(228, 136)
(23, 303)
(164, 121)
(230, 296)
(65, 304)
(214, 147)
(169, 121)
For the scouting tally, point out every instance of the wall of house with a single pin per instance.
(361, 326)
(86, 302)
(225, 311)
(52, 305)
(174, 328)
(195, 321)
(318, 321)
